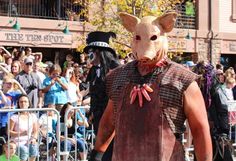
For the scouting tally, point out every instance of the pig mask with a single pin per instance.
(149, 44)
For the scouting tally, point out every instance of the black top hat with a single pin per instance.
(99, 39)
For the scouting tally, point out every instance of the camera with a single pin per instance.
(32, 87)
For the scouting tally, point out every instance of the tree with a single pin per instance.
(103, 16)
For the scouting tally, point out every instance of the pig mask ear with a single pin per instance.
(129, 21)
(167, 21)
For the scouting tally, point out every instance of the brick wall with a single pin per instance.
(225, 17)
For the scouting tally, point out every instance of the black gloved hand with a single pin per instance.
(96, 156)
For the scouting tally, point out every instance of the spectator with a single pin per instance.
(24, 130)
(73, 131)
(4, 54)
(230, 73)
(82, 60)
(69, 58)
(8, 63)
(47, 122)
(49, 64)
(31, 83)
(15, 67)
(190, 65)
(38, 57)
(73, 93)
(8, 100)
(83, 86)
(9, 152)
(55, 88)
(219, 66)
(28, 51)
(220, 76)
(37, 70)
(229, 85)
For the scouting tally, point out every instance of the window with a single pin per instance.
(234, 10)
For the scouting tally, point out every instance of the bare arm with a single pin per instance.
(106, 131)
(47, 88)
(8, 54)
(84, 121)
(195, 111)
(63, 85)
(20, 87)
(4, 98)
(4, 69)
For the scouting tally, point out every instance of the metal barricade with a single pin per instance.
(58, 152)
(76, 109)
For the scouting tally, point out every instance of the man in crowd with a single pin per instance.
(30, 82)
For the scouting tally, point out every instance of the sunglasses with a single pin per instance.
(29, 64)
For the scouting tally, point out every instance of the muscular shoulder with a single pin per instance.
(179, 76)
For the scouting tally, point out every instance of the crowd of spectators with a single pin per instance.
(28, 82)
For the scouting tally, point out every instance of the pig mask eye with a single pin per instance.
(137, 37)
(154, 37)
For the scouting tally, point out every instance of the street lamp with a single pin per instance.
(16, 26)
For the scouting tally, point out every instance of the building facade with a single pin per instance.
(45, 26)
(214, 38)
(209, 34)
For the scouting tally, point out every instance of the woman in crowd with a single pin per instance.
(8, 100)
(15, 67)
(230, 73)
(73, 93)
(55, 88)
(4, 54)
(24, 131)
(74, 138)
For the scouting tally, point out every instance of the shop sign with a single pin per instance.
(177, 44)
(36, 38)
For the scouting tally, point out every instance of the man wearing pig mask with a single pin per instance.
(149, 100)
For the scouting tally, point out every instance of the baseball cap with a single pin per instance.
(28, 60)
(190, 64)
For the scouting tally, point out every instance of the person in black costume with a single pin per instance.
(103, 59)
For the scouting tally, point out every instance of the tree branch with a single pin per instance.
(118, 42)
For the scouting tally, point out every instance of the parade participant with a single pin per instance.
(103, 59)
(149, 100)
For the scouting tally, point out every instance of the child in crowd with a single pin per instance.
(69, 58)
(9, 152)
(47, 123)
